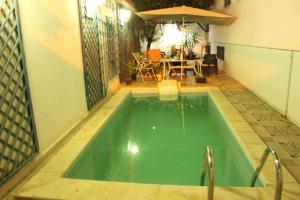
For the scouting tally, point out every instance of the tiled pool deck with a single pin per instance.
(273, 128)
(47, 181)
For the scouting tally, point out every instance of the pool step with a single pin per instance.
(168, 90)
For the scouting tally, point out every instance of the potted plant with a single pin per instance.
(191, 40)
(131, 72)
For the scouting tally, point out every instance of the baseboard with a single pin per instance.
(297, 123)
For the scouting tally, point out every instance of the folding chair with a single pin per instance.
(145, 68)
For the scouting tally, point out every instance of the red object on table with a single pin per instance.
(154, 55)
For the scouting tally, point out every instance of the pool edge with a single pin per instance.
(48, 183)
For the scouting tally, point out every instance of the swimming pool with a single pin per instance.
(162, 142)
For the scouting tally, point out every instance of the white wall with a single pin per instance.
(258, 49)
(172, 36)
(264, 71)
(51, 38)
(293, 111)
(266, 23)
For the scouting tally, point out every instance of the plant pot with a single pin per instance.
(128, 81)
(133, 77)
(159, 77)
(201, 79)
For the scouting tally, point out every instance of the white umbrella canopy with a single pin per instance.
(187, 14)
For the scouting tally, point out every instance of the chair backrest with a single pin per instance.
(210, 56)
(210, 59)
(137, 57)
(141, 62)
(162, 54)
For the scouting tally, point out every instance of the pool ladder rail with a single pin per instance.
(278, 190)
(209, 163)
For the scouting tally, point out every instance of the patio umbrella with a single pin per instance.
(187, 14)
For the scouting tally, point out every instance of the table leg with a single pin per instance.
(164, 71)
(198, 64)
(181, 71)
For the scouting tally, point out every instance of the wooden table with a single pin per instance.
(167, 61)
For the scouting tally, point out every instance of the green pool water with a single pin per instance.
(162, 142)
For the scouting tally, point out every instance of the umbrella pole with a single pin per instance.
(182, 46)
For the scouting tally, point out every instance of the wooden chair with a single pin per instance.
(145, 68)
(210, 63)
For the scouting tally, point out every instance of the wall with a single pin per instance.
(293, 111)
(170, 35)
(258, 50)
(51, 38)
(265, 23)
(264, 71)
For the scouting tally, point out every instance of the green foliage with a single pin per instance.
(151, 32)
(192, 39)
(131, 65)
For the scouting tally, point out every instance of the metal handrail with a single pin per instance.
(267, 151)
(208, 161)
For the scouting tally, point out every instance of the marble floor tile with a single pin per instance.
(273, 128)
